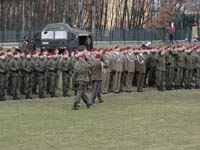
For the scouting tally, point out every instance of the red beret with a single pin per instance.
(22, 51)
(27, 53)
(98, 56)
(1, 54)
(14, 53)
(117, 46)
(75, 51)
(83, 56)
(40, 54)
(48, 54)
(8, 50)
(33, 53)
(53, 53)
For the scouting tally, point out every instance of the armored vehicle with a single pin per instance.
(63, 36)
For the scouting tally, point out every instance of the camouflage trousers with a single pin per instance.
(188, 76)
(152, 74)
(169, 76)
(41, 83)
(15, 85)
(197, 77)
(81, 93)
(2, 85)
(65, 82)
(27, 83)
(160, 78)
(52, 84)
(35, 82)
(179, 76)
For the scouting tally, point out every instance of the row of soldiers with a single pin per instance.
(116, 70)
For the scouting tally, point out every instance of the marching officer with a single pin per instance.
(81, 69)
(96, 78)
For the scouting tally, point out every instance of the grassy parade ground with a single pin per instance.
(141, 121)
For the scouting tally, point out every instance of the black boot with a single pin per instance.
(9, 94)
(189, 87)
(3, 98)
(17, 98)
(14, 97)
(41, 95)
(158, 87)
(88, 105)
(28, 96)
(186, 86)
(168, 88)
(74, 107)
(66, 95)
(162, 88)
(34, 92)
(51, 95)
(101, 101)
(196, 87)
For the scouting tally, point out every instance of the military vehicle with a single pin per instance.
(63, 36)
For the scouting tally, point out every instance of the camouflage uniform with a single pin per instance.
(81, 69)
(15, 69)
(41, 68)
(170, 68)
(196, 63)
(180, 66)
(3, 72)
(160, 71)
(27, 70)
(35, 82)
(65, 68)
(52, 66)
(188, 70)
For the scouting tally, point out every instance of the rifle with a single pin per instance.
(6, 67)
(31, 67)
(57, 63)
(45, 67)
(19, 67)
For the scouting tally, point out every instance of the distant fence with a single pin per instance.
(107, 35)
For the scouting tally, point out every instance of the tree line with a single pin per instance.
(107, 14)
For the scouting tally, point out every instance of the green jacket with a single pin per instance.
(188, 61)
(81, 70)
(27, 66)
(160, 62)
(180, 60)
(65, 65)
(170, 59)
(15, 67)
(41, 66)
(52, 67)
(3, 68)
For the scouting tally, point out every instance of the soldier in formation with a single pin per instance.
(108, 70)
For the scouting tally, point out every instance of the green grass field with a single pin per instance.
(138, 121)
